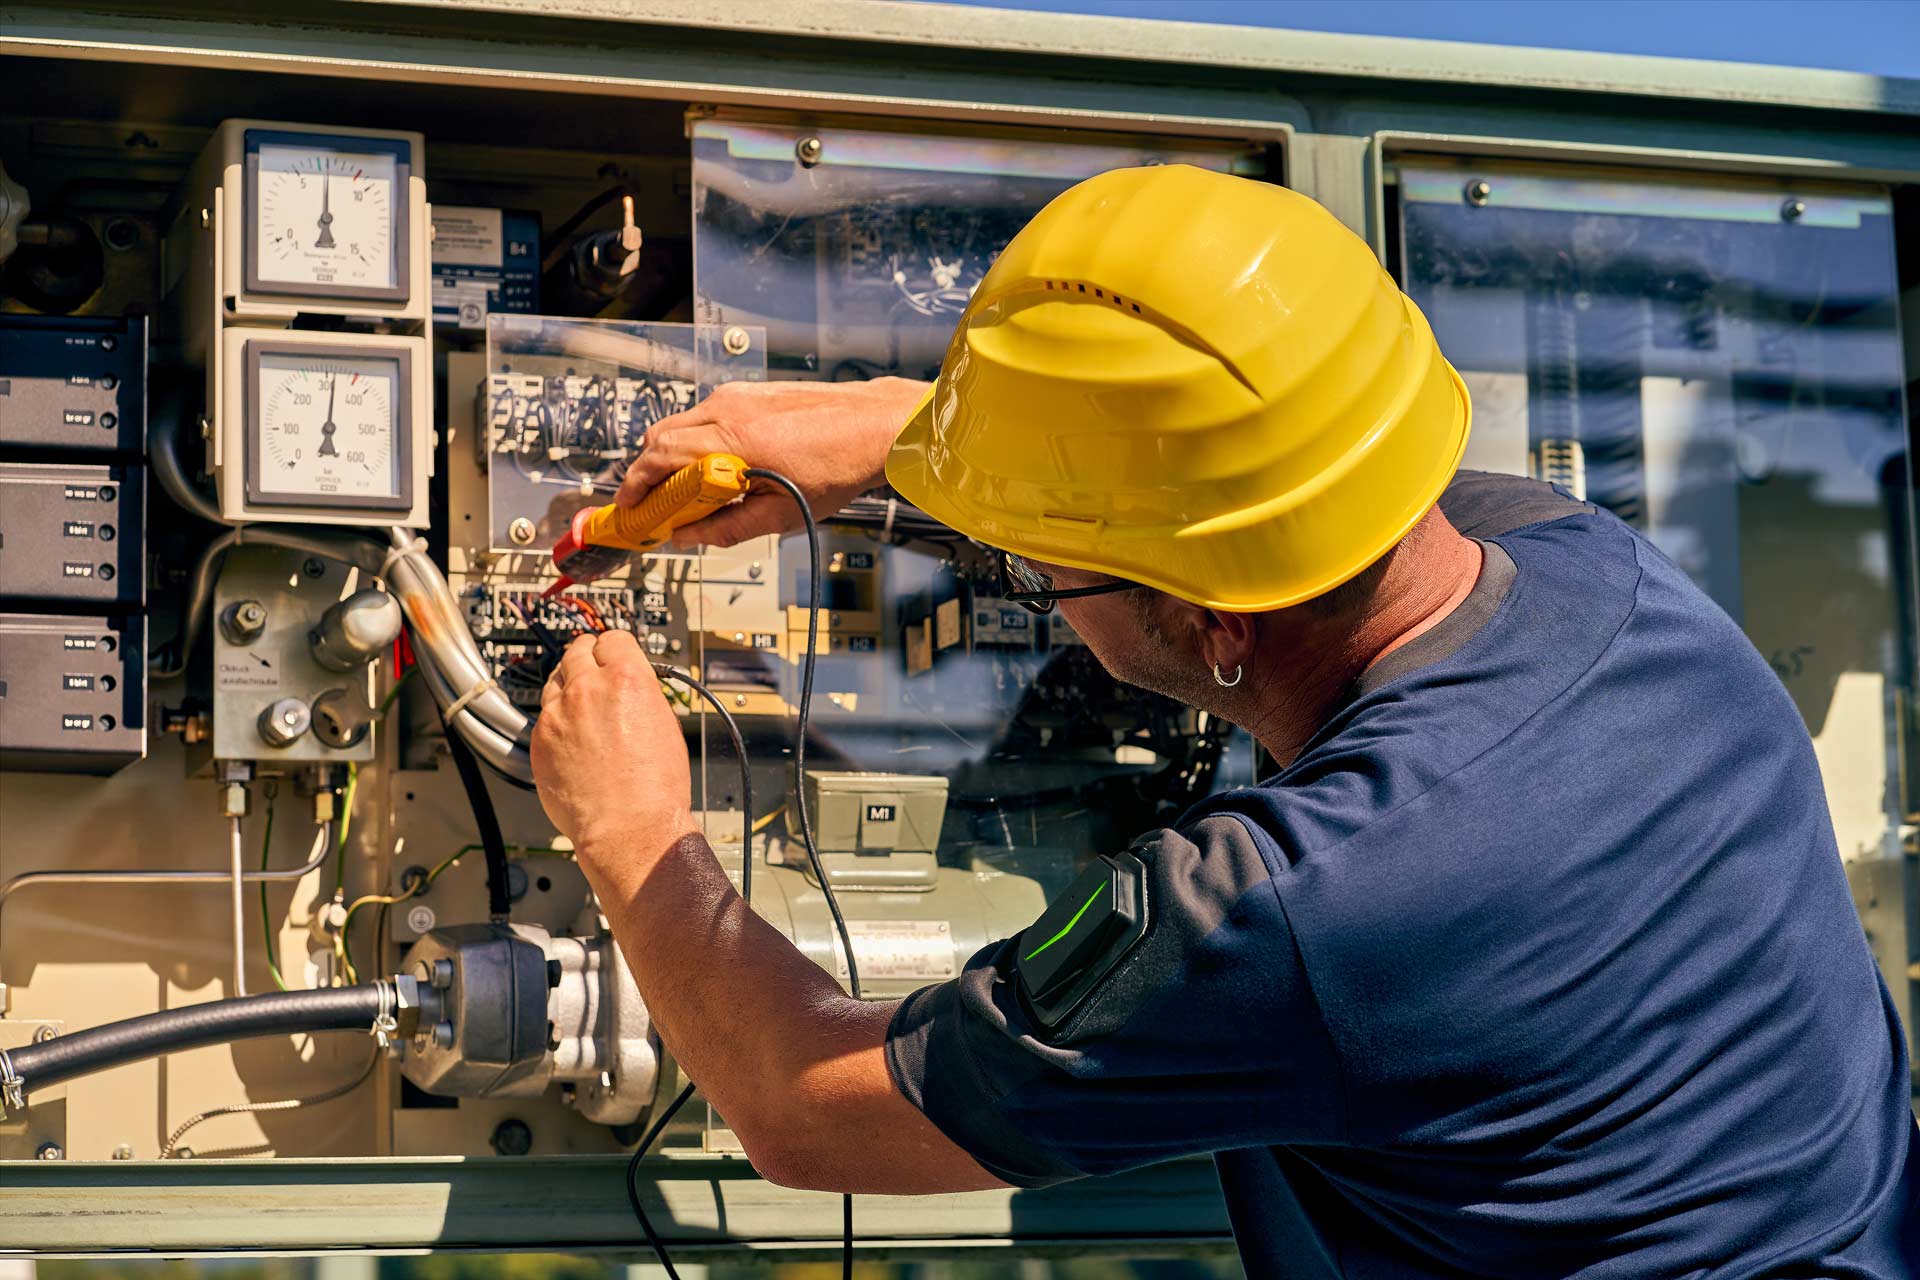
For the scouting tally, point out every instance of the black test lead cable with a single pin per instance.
(806, 838)
(800, 787)
(746, 895)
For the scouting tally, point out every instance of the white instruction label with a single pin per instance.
(898, 950)
(466, 237)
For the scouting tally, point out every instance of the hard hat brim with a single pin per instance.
(910, 472)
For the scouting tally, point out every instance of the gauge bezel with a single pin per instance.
(402, 360)
(402, 151)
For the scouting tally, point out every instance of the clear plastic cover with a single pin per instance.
(857, 249)
(1717, 361)
(567, 404)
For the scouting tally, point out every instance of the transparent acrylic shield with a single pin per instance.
(857, 249)
(1718, 362)
(567, 405)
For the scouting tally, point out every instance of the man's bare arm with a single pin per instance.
(797, 1067)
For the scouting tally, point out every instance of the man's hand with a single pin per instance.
(829, 438)
(610, 759)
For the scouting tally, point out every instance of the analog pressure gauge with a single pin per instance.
(323, 427)
(327, 215)
(328, 427)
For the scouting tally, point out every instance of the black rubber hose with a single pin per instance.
(492, 843)
(150, 1035)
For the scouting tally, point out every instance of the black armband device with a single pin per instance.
(1083, 934)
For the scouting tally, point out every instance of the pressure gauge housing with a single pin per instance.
(282, 220)
(324, 428)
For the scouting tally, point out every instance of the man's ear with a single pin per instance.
(1229, 639)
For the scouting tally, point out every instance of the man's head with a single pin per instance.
(1202, 384)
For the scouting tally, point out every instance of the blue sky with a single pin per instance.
(1877, 36)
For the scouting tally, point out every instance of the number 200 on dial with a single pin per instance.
(329, 428)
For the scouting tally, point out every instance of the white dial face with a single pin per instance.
(325, 217)
(331, 428)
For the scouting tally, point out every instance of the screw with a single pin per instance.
(123, 1152)
(808, 151)
(739, 699)
(49, 1151)
(43, 1034)
(754, 571)
(206, 219)
(206, 427)
(521, 531)
(512, 1138)
(314, 567)
(1793, 210)
(735, 340)
(1479, 191)
(109, 420)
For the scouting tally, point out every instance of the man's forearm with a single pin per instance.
(794, 1064)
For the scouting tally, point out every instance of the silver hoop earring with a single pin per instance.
(1222, 681)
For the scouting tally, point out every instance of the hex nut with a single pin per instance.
(808, 151)
(735, 341)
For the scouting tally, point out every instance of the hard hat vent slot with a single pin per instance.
(1080, 286)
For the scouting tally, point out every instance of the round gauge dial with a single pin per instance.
(327, 218)
(329, 429)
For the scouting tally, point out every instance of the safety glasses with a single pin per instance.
(1025, 585)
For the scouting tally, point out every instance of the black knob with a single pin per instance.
(511, 1138)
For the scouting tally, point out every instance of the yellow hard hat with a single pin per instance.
(1198, 382)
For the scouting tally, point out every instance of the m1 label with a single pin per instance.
(765, 640)
(898, 950)
(881, 812)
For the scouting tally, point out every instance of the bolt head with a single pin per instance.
(1793, 209)
(1479, 191)
(808, 151)
(43, 1034)
(736, 340)
(521, 531)
(123, 1152)
(443, 1035)
(206, 219)
(314, 567)
(49, 1151)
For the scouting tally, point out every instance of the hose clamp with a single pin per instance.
(13, 1088)
(385, 1025)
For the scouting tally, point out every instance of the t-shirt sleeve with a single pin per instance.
(1204, 1037)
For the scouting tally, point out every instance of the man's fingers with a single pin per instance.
(756, 514)
(577, 661)
(611, 648)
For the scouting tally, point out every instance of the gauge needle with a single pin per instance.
(325, 240)
(326, 449)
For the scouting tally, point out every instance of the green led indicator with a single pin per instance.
(1068, 927)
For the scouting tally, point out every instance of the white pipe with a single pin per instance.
(239, 907)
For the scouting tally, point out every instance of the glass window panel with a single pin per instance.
(1717, 361)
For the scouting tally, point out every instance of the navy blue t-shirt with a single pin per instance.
(1538, 961)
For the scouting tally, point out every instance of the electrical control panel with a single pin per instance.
(315, 339)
